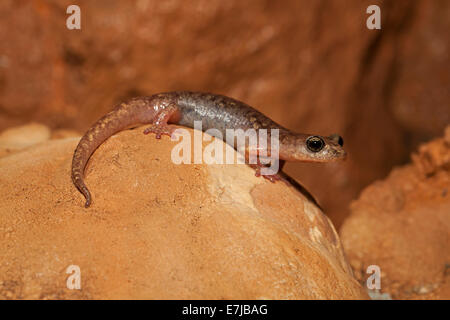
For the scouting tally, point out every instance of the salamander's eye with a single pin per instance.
(315, 143)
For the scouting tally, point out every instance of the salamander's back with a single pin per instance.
(220, 112)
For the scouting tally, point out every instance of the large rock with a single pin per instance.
(402, 224)
(159, 230)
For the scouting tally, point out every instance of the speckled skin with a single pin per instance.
(183, 108)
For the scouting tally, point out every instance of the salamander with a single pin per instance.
(214, 111)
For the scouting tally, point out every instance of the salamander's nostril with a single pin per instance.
(337, 138)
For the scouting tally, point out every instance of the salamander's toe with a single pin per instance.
(160, 130)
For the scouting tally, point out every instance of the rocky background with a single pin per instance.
(312, 66)
(402, 225)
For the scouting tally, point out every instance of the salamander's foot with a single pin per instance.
(271, 177)
(160, 130)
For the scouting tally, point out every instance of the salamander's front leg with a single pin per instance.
(252, 154)
(270, 177)
(160, 126)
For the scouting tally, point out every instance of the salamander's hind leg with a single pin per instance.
(160, 126)
(160, 130)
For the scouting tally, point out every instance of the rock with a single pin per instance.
(64, 133)
(402, 224)
(159, 230)
(18, 138)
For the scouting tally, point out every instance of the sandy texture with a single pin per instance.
(402, 224)
(160, 230)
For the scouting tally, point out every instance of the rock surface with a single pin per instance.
(22, 137)
(402, 224)
(159, 230)
(312, 66)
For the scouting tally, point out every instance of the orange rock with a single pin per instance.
(159, 230)
(21, 137)
(64, 133)
(402, 224)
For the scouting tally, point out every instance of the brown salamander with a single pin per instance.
(215, 111)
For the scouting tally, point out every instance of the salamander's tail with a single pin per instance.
(122, 116)
(77, 176)
(83, 189)
(85, 148)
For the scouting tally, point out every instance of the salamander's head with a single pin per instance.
(312, 148)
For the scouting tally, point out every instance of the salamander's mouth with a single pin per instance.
(328, 154)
